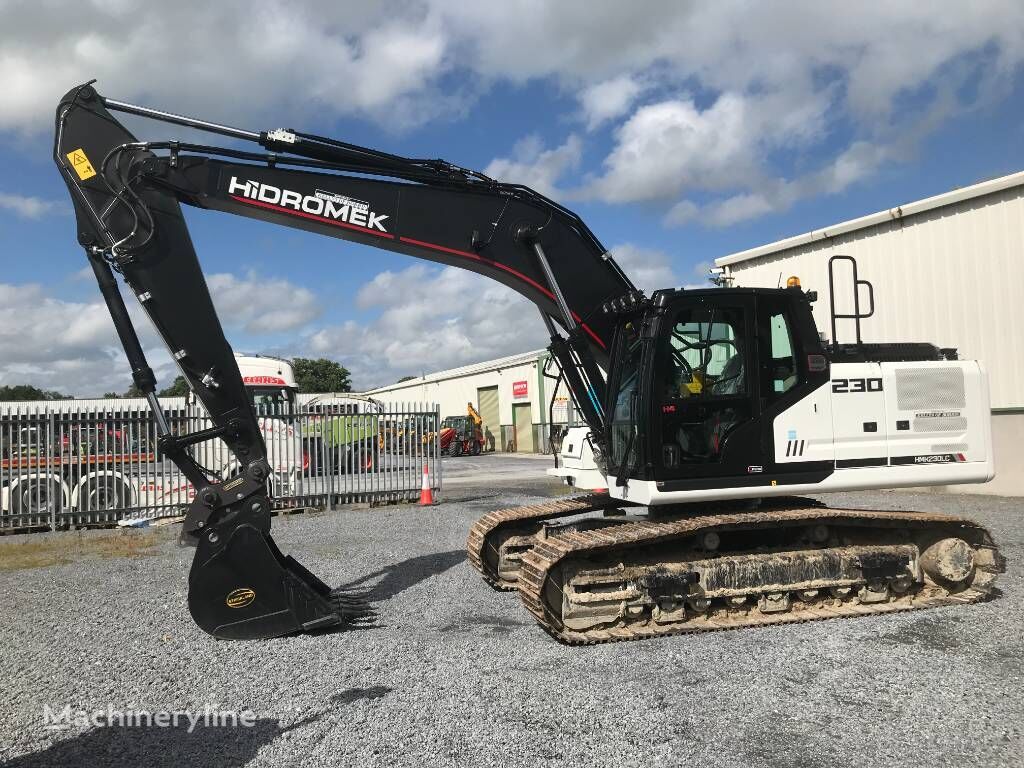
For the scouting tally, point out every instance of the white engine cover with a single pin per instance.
(897, 416)
(879, 425)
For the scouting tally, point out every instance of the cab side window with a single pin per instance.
(779, 370)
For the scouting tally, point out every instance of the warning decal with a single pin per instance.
(81, 164)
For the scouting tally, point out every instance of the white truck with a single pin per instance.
(92, 457)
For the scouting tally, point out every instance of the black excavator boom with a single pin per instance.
(127, 196)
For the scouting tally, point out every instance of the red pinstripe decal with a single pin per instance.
(506, 268)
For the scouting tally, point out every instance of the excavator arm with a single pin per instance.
(127, 196)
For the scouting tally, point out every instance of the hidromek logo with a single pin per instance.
(327, 204)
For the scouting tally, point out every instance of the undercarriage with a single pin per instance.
(623, 577)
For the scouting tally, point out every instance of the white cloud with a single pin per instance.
(345, 58)
(434, 318)
(648, 268)
(430, 319)
(681, 213)
(737, 208)
(391, 61)
(68, 346)
(262, 304)
(609, 99)
(858, 161)
(535, 166)
(675, 146)
(71, 346)
(28, 207)
(666, 147)
(724, 103)
(778, 83)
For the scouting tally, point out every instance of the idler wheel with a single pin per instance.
(948, 560)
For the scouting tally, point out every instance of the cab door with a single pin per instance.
(704, 389)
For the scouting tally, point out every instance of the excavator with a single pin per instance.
(708, 412)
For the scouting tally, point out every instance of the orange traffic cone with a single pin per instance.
(426, 495)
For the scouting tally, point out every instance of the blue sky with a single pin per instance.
(680, 133)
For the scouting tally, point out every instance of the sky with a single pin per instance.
(680, 132)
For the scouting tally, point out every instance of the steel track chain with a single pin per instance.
(539, 562)
(484, 530)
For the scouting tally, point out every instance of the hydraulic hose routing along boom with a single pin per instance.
(127, 197)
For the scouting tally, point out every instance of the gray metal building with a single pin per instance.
(948, 270)
(516, 400)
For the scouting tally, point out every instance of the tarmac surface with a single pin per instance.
(454, 673)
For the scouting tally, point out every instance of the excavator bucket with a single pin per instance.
(244, 588)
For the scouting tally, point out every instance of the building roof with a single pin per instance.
(890, 214)
(466, 370)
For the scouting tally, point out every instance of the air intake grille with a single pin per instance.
(940, 424)
(930, 388)
(955, 448)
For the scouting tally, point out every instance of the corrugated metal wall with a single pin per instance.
(953, 276)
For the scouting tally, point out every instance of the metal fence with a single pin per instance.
(72, 465)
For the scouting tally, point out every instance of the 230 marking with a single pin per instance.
(847, 386)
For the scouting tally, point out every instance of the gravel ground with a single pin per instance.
(453, 673)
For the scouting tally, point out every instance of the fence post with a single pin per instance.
(329, 464)
(47, 458)
(437, 445)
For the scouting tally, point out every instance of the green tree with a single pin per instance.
(179, 388)
(134, 391)
(110, 395)
(405, 378)
(321, 375)
(28, 392)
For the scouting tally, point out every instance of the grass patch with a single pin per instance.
(42, 550)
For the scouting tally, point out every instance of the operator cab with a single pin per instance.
(462, 425)
(698, 377)
(270, 383)
(272, 401)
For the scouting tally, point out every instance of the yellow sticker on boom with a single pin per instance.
(81, 164)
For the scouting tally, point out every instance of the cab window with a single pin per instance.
(625, 418)
(272, 401)
(704, 385)
(779, 372)
(706, 355)
(783, 359)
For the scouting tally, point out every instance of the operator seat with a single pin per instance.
(731, 382)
